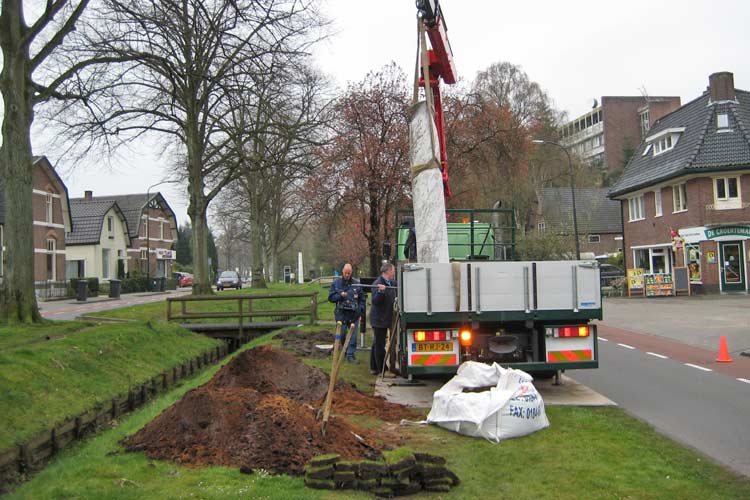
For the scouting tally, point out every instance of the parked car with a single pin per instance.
(186, 279)
(610, 273)
(229, 279)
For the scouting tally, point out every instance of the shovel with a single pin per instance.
(336, 364)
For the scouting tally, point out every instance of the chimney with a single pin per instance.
(88, 195)
(721, 86)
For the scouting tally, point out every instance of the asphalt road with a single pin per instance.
(698, 403)
(70, 309)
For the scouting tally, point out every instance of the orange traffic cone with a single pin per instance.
(723, 351)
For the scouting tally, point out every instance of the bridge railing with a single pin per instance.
(247, 307)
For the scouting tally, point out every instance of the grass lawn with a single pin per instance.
(56, 370)
(158, 310)
(597, 453)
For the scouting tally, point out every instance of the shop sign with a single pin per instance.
(692, 234)
(166, 254)
(717, 232)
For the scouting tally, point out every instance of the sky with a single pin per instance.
(577, 51)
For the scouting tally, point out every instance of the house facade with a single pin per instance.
(600, 135)
(51, 220)
(152, 230)
(98, 245)
(599, 218)
(685, 193)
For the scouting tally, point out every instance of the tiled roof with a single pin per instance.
(700, 147)
(132, 206)
(88, 219)
(594, 211)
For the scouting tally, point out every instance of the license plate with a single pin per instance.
(434, 346)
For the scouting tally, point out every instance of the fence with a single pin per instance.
(245, 311)
(47, 290)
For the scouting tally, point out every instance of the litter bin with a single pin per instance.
(154, 285)
(114, 289)
(82, 287)
(162, 284)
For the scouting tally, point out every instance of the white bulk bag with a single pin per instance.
(512, 407)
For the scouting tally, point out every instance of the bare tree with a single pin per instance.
(365, 173)
(195, 60)
(40, 63)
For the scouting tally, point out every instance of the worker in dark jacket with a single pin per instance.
(381, 314)
(350, 302)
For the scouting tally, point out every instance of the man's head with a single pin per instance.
(346, 271)
(388, 271)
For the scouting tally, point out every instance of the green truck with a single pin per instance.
(486, 306)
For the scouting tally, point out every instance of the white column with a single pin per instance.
(427, 186)
(300, 278)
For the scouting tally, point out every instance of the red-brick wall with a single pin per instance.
(153, 242)
(43, 182)
(700, 200)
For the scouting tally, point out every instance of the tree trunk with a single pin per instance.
(17, 299)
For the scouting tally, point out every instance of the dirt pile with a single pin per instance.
(259, 412)
(303, 343)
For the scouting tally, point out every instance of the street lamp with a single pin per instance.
(572, 191)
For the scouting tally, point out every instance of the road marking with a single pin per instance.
(603, 339)
(626, 346)
(744, 380)
(661, 356)
(699, 367)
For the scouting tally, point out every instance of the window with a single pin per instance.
(727, 193)
(51, 247)
(105, 263)
(657, 203)
(161, 230)
(641, 260)
(144, 260)
(75, 268)
(144, 226)
(594, 238)
(541, 226)
(659, 261)
(648, 148)
(111, 227)
(722, 121)
(679, 198)
(635, 208)
(49, 208)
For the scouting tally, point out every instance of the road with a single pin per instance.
(679, 389)
(70, 309)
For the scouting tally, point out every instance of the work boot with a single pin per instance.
(352, 360)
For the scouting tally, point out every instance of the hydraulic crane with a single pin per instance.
(441, 67)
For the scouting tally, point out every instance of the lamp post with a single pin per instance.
(572, 191)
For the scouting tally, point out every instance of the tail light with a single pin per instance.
(569, 331)
(465, 337)
(430, 335)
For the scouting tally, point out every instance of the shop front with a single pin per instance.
(716, 256)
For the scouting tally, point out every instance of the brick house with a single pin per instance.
(685, 193)
(599, 218)
(98, 245)
(600, 135)
(51, 220)
(152, 230)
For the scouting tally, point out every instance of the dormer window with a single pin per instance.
(663, 141)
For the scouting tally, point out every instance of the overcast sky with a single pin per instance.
(577, 51)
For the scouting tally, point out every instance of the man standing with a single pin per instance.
(350, 303)
(381, 313)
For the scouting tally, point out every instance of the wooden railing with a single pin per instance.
(245, 311)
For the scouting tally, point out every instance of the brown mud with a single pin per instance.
(259, 412)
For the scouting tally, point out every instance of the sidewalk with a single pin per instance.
(698, 320)
(70, 308)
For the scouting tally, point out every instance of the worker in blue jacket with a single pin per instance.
(350, 302)
(381, 314)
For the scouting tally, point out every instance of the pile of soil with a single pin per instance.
(259, 411)
(303, 343)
